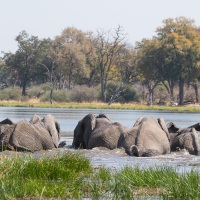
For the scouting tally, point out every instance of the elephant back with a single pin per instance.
(151, 136)
(29, 137)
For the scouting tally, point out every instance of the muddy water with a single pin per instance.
(115, 159)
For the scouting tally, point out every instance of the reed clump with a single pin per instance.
(71, 176)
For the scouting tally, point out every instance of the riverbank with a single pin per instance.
(100, 105)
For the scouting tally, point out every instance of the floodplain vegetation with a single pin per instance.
(71, 176)
(99, 105)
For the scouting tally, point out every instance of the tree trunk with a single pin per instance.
(170, 89)
(195, 86)
(103, 97)
(181, 91)
(51, 83)
(103, 87)
(150, 100)
(51, 95)
(69, 81)
(24, 83)
(171, 94)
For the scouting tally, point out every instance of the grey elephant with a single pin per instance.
(185, 138)
(148, 137)
(34, 135)
(173, 131)
(97, 131)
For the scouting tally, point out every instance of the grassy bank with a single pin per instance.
(71, 176)
(99, 105)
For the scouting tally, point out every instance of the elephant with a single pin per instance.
(148, 136)
(34, 135)
(94, 131)
(173, 131)
(185, 138)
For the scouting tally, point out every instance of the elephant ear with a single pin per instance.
(196, 144)
(103, 116)
(196, 126)
(163, 125)
(58, 128)
(78, 136)
(138, 121)
(35, 119)
(93, 122)
(172, 128)
(82, 131)
(6, 121)
(53, 128)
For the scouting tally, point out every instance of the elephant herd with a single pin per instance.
(147, 137)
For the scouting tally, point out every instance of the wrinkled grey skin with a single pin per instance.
(94, 131)
(186, 138)
(37, 134)
(148, 137)
(50, 124)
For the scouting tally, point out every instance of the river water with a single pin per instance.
(116, 159)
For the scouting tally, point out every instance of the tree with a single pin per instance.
(107, 45)
(71, 59)
(180, 48)
(126, 64)
(6, 75)
(147, 64)
(24, 61)
(48, 64)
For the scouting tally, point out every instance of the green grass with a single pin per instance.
(70, 176)
(163, 182)
(62, 176)
(99, 105)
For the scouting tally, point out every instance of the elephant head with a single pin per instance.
(173, 131)
(188, 139)
(96, 131)
(83, 131)
(35, 119)
(50, 124)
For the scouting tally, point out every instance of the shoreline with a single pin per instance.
(100, 105)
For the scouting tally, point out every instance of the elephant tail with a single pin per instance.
(134, 151)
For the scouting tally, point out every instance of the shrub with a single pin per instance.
(11, 94)
(58, 96)
(37, 91)
(83, 94)
(121, 93)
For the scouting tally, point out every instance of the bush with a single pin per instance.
(126, 93)
(37, 91)
(58, 96)
(11, 94)
(83, 94)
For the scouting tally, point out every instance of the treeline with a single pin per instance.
(104, 60)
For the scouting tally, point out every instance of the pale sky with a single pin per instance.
(47, 18)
